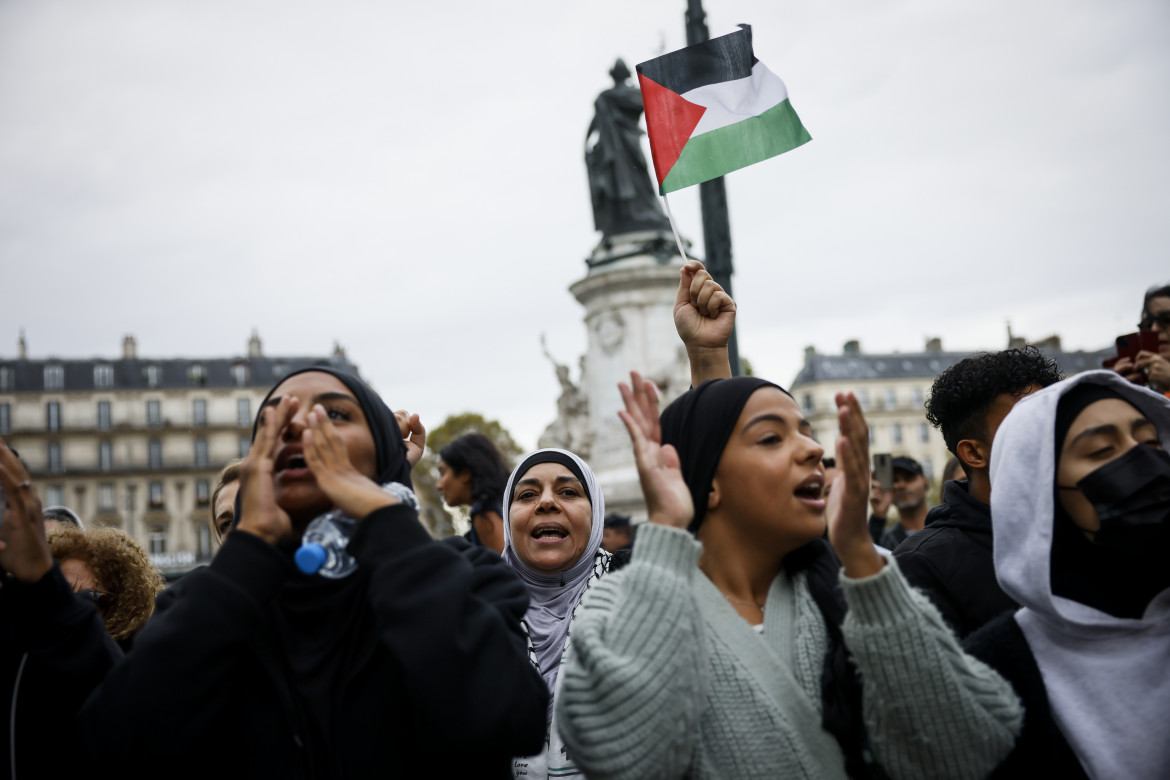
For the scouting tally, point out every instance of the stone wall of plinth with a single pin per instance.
(628, 297)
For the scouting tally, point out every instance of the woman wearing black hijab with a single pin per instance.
(413, 665)
(727, 652)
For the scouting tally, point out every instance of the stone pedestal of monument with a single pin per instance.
(628, 295)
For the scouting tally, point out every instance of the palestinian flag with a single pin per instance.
(713, 108)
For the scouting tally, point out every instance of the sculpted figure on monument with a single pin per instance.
(623, 193)
(570, 431)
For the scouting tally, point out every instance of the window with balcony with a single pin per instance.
(106, 497)
(891, 398)
(155, 494)
(204, 542)
(201, 453)
(53, 416)
(808, 403)
(199, 412)
(154, 458)
(923, 433)
(202, 492)
(5, 418)
(105, 456)
(56, 464)
(896, 432)
(153, 414)
(243, 412)
(245, 444)
(55, 495)
(103, 376)
(918, 401)
(104, 423)
(158, 540)
(54, 377)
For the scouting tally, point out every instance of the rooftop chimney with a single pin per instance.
(339, 353)
(22, 346)
(852, 347)
(809, 351)
(254, 347)
(934, 344)
(129, 348)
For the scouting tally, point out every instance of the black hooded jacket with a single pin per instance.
(414, 665)
(950, 561)
(427, 673)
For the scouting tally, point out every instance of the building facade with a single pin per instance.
(138, 443)
(892, 390)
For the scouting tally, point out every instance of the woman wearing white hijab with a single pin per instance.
(554, 519)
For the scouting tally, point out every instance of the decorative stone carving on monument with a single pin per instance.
(610, 329)
(623, 194)
(570, 430)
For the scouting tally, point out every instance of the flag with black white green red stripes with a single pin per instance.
(713, 108)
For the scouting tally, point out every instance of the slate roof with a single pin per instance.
(919, 365)
(28, 376)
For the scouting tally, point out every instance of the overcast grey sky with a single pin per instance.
(407, 179)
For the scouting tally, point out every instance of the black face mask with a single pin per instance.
(1132, 497)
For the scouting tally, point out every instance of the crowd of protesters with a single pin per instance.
(762, 622)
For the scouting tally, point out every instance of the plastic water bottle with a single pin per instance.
(322, 549)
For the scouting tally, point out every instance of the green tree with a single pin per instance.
(439, 519)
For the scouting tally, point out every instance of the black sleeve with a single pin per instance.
(56, 651)
(187, 657)
(920, 572)
(450, 614)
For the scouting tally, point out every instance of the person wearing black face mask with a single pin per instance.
(1131, 498)
(1080, 506)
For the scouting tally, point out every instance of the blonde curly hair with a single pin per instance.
(120, 566)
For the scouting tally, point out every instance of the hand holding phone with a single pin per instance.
(1128, 347)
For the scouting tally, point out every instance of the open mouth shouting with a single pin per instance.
(549, 533)
(290, 464)
(810, 492)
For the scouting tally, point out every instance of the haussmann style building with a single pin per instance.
(137, 443)
(892, 390)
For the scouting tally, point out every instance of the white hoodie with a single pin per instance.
(1107, 678)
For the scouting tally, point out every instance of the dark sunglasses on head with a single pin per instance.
(103, 600)
(1148, 321)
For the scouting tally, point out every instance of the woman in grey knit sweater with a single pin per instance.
(715, 657)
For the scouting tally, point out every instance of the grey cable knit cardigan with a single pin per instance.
(665, 679)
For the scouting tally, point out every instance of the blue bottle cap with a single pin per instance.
(310, 558)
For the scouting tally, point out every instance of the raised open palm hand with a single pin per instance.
(668, 499)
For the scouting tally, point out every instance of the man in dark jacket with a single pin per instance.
(950, 559)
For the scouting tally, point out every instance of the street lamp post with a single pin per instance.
(713, 200)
